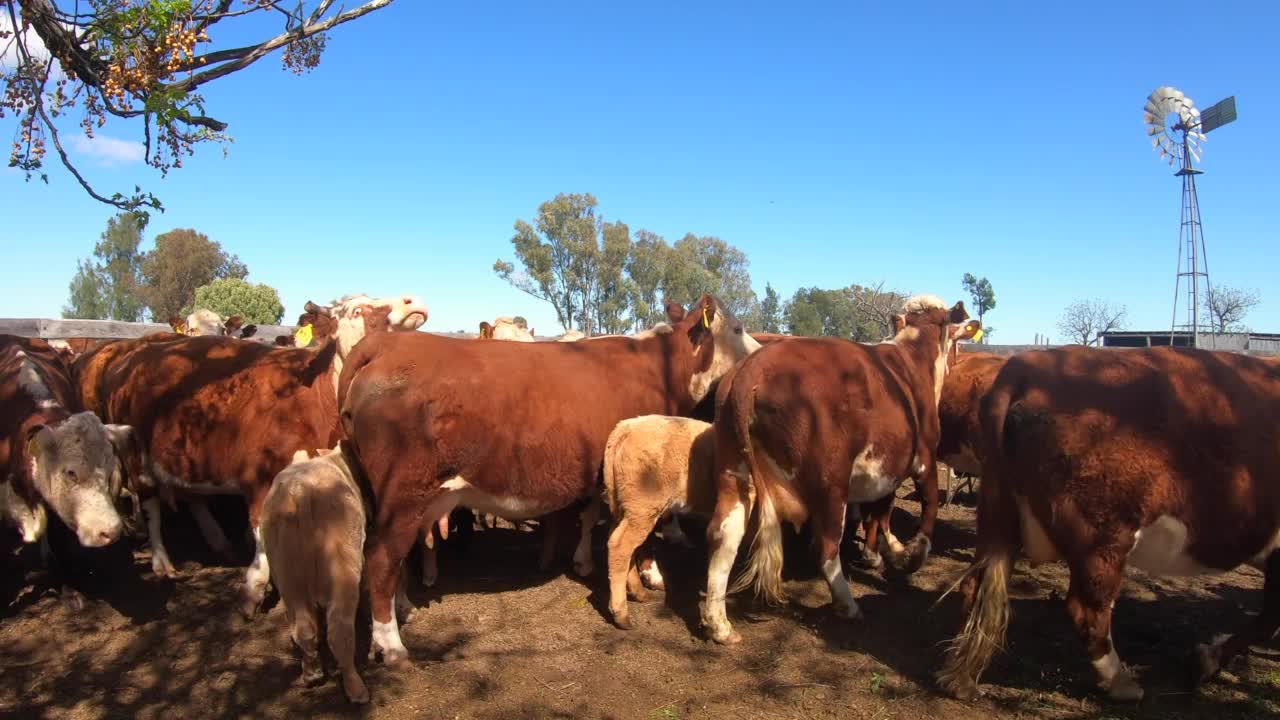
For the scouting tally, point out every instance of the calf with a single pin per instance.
(505, 328)
(313, 526)
(1166, 459)
(501, 427)
(652, 465)
(805, 426)
(51, 454)
(208, 322)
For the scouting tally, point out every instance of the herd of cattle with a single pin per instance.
(359, 443)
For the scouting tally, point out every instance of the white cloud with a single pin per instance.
(108, 150)
(9, 46)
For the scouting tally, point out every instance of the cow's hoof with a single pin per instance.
(851, 613)
(164, 570)
(313, 678)
(964, 688)
(356, 691)
(622, 618)
(729, 637)
(1208, 663)
(390, 657)
(1125, 689)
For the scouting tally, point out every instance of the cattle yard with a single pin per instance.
(497, 639)
(144, 628)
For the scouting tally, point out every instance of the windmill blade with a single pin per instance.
(1155, 130)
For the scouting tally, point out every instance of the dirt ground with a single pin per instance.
(497, 639)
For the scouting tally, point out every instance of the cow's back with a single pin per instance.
(514, 419)
(218, 410)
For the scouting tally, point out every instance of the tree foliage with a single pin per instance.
(258, 304)
(601, 280)
(1229, 306)
(1084, 322)
(110, 288)
(182, 261)
(982, 295)
(771, 310)
(140, 61)
(859, 313)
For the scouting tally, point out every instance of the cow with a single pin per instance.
(313, 531)
(652, 465)
(806, 426)
(506, 328)
(435, 422)
(220, 416)
(1164, 459)
(968, 380)
(51, 453)
(208, 322)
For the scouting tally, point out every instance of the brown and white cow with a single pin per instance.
(805, 427)
(1164, 459)
(437, 422)
(208, 322)
(220, 416)
(52, 455)
(970, 376)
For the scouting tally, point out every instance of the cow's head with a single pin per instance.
(926, 319)
(76, 467)
(511, 328)
(717, 338)
(359, 315)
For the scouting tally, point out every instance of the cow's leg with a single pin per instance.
(829, 529)
(917, 551)
(160, 563)
(724, 535)
(430, 566)
(258, 576)
(582, 561)
(341, 622)
(1095, 583)
(395, 531)
(871, 524)
(209, 527)
(627, 536)
(405, 609)
(305, 624)
(1214, 657)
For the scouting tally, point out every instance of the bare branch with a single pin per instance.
(255, 53)
(1086, 321)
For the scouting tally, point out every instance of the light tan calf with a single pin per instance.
(313, 527)
(652, 464)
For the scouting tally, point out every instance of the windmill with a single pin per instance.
(1178, 130)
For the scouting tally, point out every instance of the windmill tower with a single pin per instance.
(1179, 130)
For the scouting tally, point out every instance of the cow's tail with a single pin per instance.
(985, 585)
(764, 562)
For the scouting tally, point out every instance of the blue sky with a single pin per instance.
(834, 143)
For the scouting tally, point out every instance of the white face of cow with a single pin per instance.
(204, 322)
(504, 329)
(75, 469)
(30, 520)
(406, 312)
(730, 344)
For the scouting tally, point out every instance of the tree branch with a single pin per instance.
(241, 58)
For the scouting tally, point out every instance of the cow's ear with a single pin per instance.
(899, 323)
(124, 440)
(700, 331)
(958, 314)
(248, 331)
(486, 331)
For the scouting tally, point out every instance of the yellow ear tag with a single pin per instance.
(706, 322)
(977, 336)
(302, 338)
